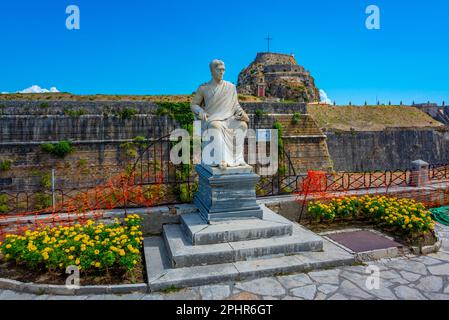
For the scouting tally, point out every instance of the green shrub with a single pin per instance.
(132, 148)
(280, 128)
(140, 142)
(75, 113)
(4, 208)
(44, 105)
(60, 149)
(259, 113)
(187, 192)
(42, 200)
(5, 165)
(179, 111)
(46, 180)
(296, 117)
(126, 113)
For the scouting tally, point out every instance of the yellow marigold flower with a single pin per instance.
(97, 251)
(8, 246)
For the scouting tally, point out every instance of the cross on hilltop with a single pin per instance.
(268, 40)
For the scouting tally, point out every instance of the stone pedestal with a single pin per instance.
(227, 194)
(420, 173)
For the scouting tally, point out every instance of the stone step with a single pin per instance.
(183, 254)
(161, 275)
(200, 233)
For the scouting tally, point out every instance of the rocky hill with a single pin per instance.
(276, 75)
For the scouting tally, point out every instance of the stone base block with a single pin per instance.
(199, 232)
(227, 194)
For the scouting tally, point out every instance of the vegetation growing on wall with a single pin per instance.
(296, 117)
(44, 178)
(60, 149)
(126, 113)
(82, 162)
(4, 208)
(42, 200)
(75, 113)
(5, 165)
(282, 170)
(182, 114)
(133, 148)
(179, 111)
(259, 113)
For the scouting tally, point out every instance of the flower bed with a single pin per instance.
(97, 249)
(400, 216)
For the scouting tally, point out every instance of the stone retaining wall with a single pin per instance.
(387, 150)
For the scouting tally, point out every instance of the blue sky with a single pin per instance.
(163, 47)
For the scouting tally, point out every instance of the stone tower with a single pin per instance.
(276, 75)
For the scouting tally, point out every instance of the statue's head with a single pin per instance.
(217, 69)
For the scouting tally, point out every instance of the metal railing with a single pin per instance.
(153, 169)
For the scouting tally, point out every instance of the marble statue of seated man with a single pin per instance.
(215, 103)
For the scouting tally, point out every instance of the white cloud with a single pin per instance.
(324, 98)
(37, 89)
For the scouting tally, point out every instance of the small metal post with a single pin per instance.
(53, 189)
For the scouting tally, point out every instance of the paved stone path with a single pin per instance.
(411, 277)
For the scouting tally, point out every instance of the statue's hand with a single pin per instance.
(241, 115)
(203, 116)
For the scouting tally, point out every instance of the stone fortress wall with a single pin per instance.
(98, 137)
(390, 149)
(275, 58)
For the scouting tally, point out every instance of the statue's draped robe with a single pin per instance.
(221, 105)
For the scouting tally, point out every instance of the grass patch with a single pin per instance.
(369, 118)
(171, 289)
